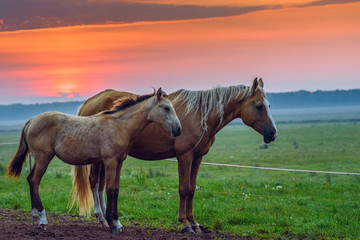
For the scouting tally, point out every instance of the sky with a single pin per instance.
(63, 50)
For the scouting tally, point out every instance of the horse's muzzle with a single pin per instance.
(270, 137)
(176, 131)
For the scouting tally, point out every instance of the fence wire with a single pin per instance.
(252, 167)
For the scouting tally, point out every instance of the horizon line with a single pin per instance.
(84, 98)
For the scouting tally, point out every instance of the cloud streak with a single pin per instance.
(326, 2)
(37, 14)
(34, 14)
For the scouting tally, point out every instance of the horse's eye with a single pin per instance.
(167, 109)
(259, 107)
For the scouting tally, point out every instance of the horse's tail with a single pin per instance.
(15, 166)
(81, 192)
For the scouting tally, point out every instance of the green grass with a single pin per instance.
(245, 202)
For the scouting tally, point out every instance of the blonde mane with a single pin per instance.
(212, 101)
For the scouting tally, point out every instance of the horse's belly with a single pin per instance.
(77, 156)
(150, 155)
(152, 147)
(83, 161)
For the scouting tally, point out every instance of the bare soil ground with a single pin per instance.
(20, 225)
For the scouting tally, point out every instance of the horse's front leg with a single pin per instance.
(110, 176)
(189, 202)
(116, 220)
(184, 170)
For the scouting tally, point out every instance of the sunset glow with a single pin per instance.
(290, 47)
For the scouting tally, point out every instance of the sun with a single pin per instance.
(70, 89)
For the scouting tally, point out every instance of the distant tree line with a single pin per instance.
(299, 99)
(26, 111)
(306, 99)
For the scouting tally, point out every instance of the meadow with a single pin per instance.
(244, 202)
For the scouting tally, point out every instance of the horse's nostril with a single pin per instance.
(176, 131)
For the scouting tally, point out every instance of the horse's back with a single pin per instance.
(44, 120)
(42, 130)
(102, 101)
(154, 143)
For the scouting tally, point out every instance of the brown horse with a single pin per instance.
(202, 115)
(104, 138)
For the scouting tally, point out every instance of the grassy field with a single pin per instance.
(245, 202)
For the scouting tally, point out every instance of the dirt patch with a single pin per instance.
(20, 225)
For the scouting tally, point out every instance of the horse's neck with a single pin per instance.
(212, 116)
(133, 120)
(216, 122)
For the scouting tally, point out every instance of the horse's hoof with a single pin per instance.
(121, 229)
(43, 227)
(187, 230)
(114, 230)
(204, 230)
(196, 229)
(103, 224)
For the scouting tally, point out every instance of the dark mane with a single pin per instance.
(126, 102)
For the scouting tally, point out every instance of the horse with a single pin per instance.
(104, 138)
(202, 115)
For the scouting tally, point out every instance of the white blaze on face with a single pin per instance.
(169, 123)
(172, 118)
(267, 104)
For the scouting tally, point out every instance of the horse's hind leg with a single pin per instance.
(94, 184)
(101, 189)
(112, 170)
(34, 179)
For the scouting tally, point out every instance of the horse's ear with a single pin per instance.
(255, 84)
(159, 94)
(261, 83)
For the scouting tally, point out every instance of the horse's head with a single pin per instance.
(163, 113)
(255, 112)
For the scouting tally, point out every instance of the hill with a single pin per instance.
(20, 111)
(299, 99)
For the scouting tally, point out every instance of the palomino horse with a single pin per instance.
(104, 138)
(202, 115)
